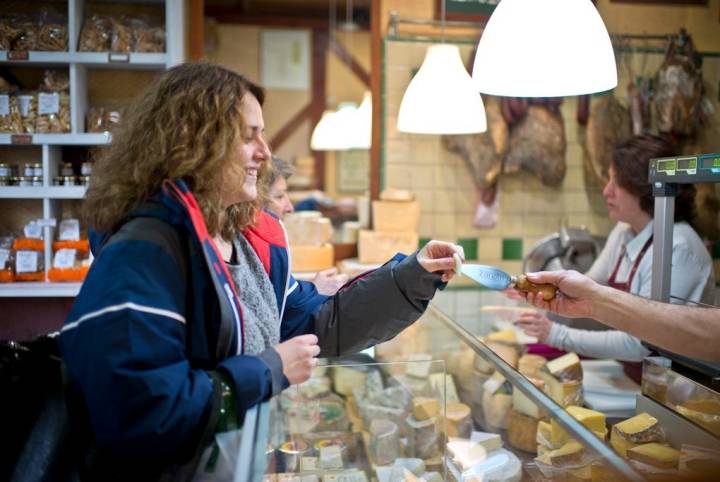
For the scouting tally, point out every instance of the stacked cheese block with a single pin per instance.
(395, 221)
(309, 234)
(493, 398)
(481, 457)
(561, 456)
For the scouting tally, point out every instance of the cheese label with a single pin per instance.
(64, 258)
(26, 261)
(24, 104)
(4, 255)
(4, 104)
(48, 103)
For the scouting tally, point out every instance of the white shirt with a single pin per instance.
(692, 278)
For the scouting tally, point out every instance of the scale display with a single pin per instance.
(686, 170)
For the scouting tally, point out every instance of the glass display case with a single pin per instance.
(455, 397)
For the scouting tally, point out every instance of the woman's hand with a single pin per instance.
(576, 293)
(298, 357)
(437, 257)
(329, 281)
(535, 324)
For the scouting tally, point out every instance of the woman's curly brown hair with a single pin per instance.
(187, 124)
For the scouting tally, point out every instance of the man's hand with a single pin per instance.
(298, 357)
(575, 297)
(535, 324)
(329, 281)
(437, 257)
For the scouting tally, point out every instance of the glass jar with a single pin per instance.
(69, 180)
(4, 170)
(36, 181)
(28, 169)
(24, 181)
(66, 169)
(37, 170)
(84, 180)
(86, 168)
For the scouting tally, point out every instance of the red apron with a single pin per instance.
(632, 369)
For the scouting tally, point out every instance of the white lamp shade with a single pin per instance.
(342, 129)
(441, 98)
(544, 48)
(364, 122)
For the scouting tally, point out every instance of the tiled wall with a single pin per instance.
(528, 209)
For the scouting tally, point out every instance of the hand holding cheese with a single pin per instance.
(437, 257)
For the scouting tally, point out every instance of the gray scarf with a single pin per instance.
(257, 298)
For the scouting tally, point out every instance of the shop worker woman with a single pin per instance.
(625, 262)
(189, 305)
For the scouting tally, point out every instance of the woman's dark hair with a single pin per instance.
(631, 160)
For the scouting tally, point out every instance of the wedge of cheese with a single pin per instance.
(458, 420)
(380, 246)
(509, 353)
(522, 404)
(543, 436)
(306, 229)
(566, 367)
(312, 258)
(530, 365)
(507, 336)
(570, 454)
(424, 408)
(593, 420)
(563, 392)
(396, 215)
(655, 454)
(521, 431)
(640, 429)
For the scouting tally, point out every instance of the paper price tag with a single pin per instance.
(69, 230)
(46, 222)
(4, 104)
(24, 102)
(26, 261)
(491, 385)
(65, 258)
(48, 103)
(33, 230)
(4, 255)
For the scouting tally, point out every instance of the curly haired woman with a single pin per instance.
(189, 314)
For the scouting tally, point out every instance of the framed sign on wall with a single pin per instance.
(353, 171)
(470, 10)
(285, 59)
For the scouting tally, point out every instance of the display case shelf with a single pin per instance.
(70, 139)
(50, 192)
(111, 60)
(39, 290)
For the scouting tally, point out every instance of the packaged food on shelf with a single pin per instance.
(23, 112)
(102, 119)
(55, 81)
(6, 124)
(26, 37)
(121, 39)
(53, 103)
(71, 254)
(147, 36)
(53, 32)
(95, 35)
(29, 254)
(7, 260)
(7, 32)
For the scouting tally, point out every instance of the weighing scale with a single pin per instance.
(665, 174)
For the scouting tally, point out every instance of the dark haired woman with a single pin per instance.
(625, 262)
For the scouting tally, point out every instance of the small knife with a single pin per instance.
(497, 279)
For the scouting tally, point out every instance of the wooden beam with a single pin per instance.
(197, 29)
(319, 56)
(300, 18)
(291, 126)
(347, 58)
(376, 89)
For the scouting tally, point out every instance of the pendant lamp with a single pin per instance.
(337, 130)
(442, 98)
(363, 116)
(544, 48)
